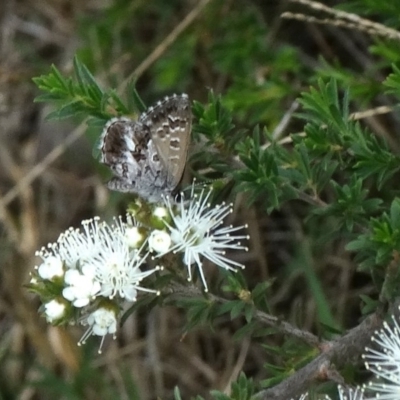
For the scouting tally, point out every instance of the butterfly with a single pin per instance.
(148, 156)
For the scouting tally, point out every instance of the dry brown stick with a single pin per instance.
(36, 171)
(341, 24)
(165, 44)
(365, 24)
(9, 223)
(238, 367)
(284, 122)
(370, 113)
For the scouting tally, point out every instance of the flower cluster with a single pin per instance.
(196, 231)
(90, 273)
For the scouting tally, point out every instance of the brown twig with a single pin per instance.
(336, 354)
(178, 292)
(38, 169)
(165, 44)
(339, 23)
(343, 19)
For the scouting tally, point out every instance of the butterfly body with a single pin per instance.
(148, 156)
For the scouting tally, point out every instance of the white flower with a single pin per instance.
(101, 322)
(54, 310)
(344, 394)
(159, 241)
(160, 212)
(78, 247)
(117, 269)
(303, 396)
(350, 394)
(130, 229)
(98, 260)
(52, 267)
(384, 363)
(81, 287)
(133, 237)
(196, 230)
(75, 247)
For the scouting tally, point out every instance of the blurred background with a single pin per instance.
(49, 180)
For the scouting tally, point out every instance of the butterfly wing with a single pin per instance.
(169, 124)
(123, 146)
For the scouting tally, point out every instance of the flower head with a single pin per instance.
(102, 322)
(384, 362)
(303, 396)
(350, 393)
(196, 230)
(51, 267)
(133, 233)
(73, 248)
(118, 269)
(54, 310)
(81, 287)
(95, 262)
(134, 237)
(159, 241)
(161, 212)
(347, 393)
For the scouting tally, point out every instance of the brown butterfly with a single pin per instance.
(148, 156)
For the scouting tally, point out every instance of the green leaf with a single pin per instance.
(237, 308)
(177, 393)
(245, 330)
(395, 213)
(87, 81)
